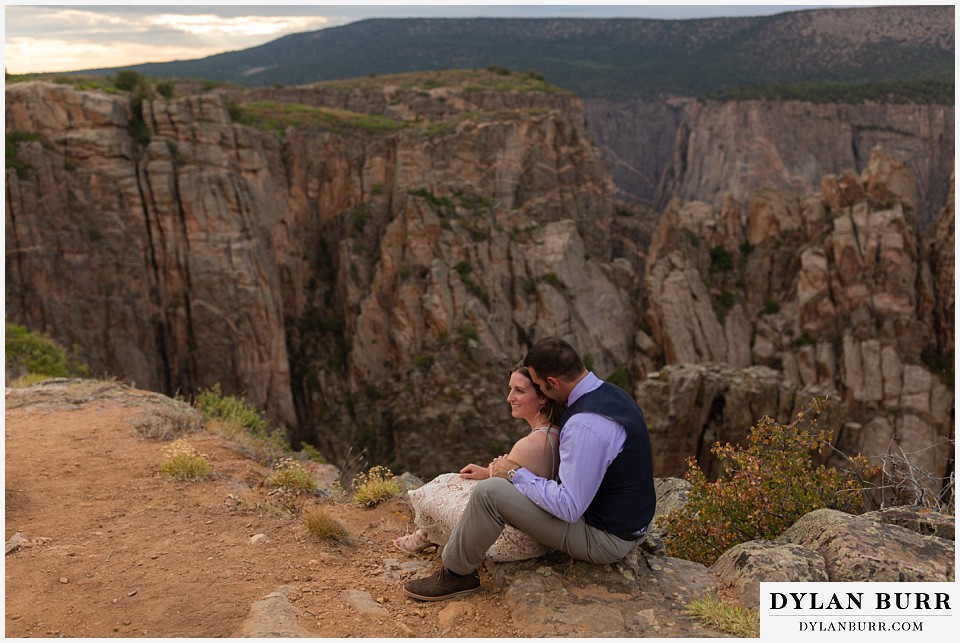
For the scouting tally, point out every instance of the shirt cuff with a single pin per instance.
(522, 477)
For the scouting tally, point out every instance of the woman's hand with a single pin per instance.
(474, 472)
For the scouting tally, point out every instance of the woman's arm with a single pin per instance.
(533, 453)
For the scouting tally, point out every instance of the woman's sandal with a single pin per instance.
(413, 543)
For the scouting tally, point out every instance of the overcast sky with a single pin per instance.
(44, 38)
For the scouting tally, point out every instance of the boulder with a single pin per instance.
(855, 548)
(746, 565)
(918, 519)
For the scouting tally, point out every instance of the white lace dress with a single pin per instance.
(439, 504)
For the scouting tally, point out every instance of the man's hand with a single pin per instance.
(500, 466)
(474, 472)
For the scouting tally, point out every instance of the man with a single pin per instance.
(604, 500)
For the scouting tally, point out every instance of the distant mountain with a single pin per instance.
(616, 58)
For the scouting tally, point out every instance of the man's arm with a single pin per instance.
(588, 444)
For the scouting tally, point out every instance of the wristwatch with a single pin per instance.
(510, 474)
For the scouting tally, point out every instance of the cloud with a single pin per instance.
(26, 55)
(47, 39)
(214, 26)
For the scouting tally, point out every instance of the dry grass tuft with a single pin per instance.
(183, 462)
(291, 483)
(167, 423)
(323, 527)
(737, 620)
(375, 486)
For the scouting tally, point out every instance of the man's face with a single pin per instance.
(549, 386)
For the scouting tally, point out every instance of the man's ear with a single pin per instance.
(553, 382)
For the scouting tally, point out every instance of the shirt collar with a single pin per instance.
(584, 386)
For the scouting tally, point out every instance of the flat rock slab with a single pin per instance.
(642, 596)
(273, 617)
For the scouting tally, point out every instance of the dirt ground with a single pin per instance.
(115, 549)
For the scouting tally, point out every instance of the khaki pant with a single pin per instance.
(495, 501)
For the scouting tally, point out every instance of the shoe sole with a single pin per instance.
(462, 592)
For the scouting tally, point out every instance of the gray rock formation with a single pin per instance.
(720, 149)
(746, 565)
(831, 291)
(855, 548)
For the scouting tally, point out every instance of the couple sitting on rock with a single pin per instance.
(580, 482)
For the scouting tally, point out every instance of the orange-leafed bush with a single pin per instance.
(763, 489)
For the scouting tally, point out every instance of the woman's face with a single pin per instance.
(523, 399)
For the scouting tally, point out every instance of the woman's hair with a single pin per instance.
(553, 357)
(550, 410)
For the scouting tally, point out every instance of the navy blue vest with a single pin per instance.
(626, 500)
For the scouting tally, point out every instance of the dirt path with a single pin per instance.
(114, 549)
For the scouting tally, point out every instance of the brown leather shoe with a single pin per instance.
(442, 585)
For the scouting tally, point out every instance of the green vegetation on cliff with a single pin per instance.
(32, 357)
(273, 116)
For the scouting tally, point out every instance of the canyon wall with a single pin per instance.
(664, 148)
(368, 261)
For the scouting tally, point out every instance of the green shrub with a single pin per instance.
(764, 488)
(806, 339)
(723, 304)
(165, 89)
(312, 453)
(127, 80)
(770, 307)
(468, 332)
(12, 145)
(720, 259)
(37, 357)
(214, 405)
(552, 279)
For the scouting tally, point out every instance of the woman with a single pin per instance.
(439, 503)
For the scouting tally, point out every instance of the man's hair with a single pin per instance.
(553, 357)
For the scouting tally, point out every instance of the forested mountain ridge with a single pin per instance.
(612, 58)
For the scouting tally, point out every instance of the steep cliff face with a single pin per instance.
(365, 287)
(155, 261)
(737, 148)
(366, 260)
(831, 291)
